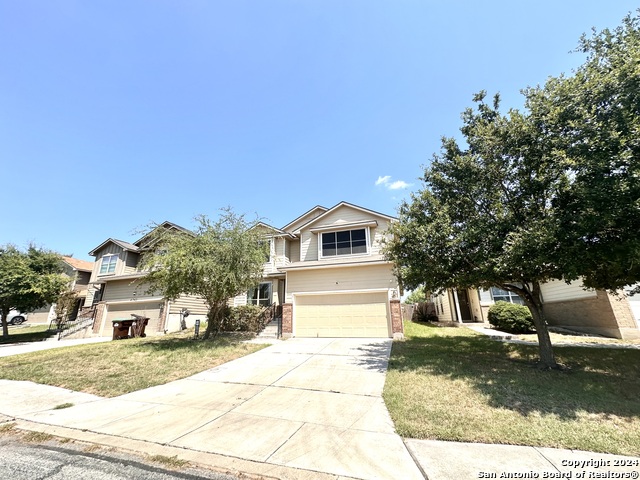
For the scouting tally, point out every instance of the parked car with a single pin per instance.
(16, 318)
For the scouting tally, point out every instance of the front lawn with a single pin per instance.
(455, 384)
(122, 366)
(27, 333)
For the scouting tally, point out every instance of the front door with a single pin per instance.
(465, 307)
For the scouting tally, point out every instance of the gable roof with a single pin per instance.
(277, 231)
(80, 265)
(287, 227)
(165, 224)
(345, 204)
(124, 245)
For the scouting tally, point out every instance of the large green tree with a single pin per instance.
(592, 120)
(217, 261)
(552, 192)
(483, 217)
(29, 280)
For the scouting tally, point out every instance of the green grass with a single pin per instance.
(118, 367)
(454, 384)
(28, 333)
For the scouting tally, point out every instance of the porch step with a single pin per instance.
(270, 330)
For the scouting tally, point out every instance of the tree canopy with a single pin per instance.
(551, 192)
(29, 280)
(217, 261)
(591, 119)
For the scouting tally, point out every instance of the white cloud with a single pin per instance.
(386, 182)
(383, 180)
(398, 184)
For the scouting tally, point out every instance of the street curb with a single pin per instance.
(212, 461)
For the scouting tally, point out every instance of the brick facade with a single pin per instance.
(603, 315)
(287, 320)
(396, 318)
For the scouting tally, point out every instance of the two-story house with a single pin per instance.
(327, 271)
(118, 290)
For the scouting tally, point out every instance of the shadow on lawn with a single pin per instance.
(597, 381)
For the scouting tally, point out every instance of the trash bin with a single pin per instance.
(121, 328)
(138, 325)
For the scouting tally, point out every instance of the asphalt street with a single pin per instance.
(22, 461)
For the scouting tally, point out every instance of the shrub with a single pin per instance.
(244, 318)
(424, 312)
(511, 318)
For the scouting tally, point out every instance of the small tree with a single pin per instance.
(417, 296)
(29, 280)
(218, 261)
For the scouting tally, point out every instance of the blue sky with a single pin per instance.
(114, 114)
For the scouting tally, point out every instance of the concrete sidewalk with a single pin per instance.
(304, 408)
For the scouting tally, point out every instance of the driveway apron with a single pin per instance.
(313, 404)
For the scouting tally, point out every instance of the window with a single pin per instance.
(108, 264)
(261, 295)
(348, 242)
(499, 294)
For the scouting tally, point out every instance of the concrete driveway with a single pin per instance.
(312, 404)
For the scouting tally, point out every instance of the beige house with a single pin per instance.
(325, 275)
(327, 272)
(117, 290)
(79, 273)
(568, 306)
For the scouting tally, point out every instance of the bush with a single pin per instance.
(511, 318)
(424, 312)
(245, 318)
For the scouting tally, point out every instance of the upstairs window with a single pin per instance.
(348, 242)
(108, 264)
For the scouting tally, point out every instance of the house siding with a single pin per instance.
(356, 278)
(120, 290)
(294, 250)
(308, 246)
(559, 291)
(194, 304)
(130, 263)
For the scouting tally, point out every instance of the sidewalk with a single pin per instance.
(296, 410)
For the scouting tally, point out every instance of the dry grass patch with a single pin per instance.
(563, 338)
(454, 384)
(115, 368)
(173, 463)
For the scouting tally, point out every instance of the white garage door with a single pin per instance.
(342, 315)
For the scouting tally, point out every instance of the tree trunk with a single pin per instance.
(545, 349)
(214, 321)
(5, 325)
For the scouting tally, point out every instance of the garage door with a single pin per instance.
(125, 310)
(341, 315)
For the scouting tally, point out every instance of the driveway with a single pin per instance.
(312, 404)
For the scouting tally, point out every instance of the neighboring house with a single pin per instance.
(79, 273)
(327, 271)
(117, 290)
(566, 305)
